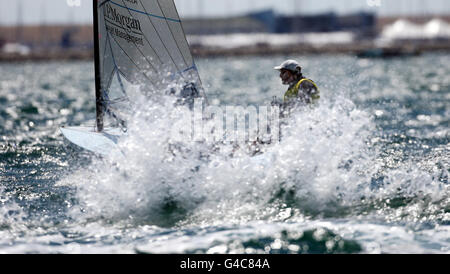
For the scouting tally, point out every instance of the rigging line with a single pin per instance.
(121, 84)
(117, 110)
(183, 71)
(116, 68)
(189, 68)
(159, 36)
(110, 80)
(110, 109)
(154, 51)
(171, 32)
(119, 100)
(104, 59)
(123, 75)
(130, 60)
(119, 72)
(118, 119)
(106, 88)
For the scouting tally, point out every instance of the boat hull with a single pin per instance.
(102, 143)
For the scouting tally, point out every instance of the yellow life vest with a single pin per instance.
(293, 92)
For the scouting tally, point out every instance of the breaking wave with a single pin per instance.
(329, 163)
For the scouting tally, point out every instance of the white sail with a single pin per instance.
(140, 42)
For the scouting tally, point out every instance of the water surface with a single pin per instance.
(364, 172)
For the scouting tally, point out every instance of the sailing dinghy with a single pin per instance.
(137, 42)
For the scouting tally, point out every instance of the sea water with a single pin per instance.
(365, 171)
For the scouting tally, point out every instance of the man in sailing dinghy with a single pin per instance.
(301, 89)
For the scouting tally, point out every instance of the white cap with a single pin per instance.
(291, 65)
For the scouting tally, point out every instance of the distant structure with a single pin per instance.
(239, 24)
(362, 24)
(306, 23)
(267, 21)
(266, 17)
(363, 33)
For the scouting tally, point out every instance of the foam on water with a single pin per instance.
(326, 164)
(366, 170)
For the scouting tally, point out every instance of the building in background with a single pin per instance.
(256, 32)
(268, 21)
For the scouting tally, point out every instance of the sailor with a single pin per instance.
(300, 89)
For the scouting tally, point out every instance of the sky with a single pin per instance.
(80, 11)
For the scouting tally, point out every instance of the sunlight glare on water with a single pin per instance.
(364, 171)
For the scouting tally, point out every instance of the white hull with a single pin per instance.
(99, 142)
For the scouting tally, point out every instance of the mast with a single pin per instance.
(98, 90)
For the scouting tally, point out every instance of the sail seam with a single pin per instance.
(102, 3)
(130, 60)
(146, 39)
(193, 60)
(173, 36)
(104, 52)
(146, 13)
(159, 36)
(116, 68)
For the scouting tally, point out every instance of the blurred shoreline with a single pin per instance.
(367, 48)
(355, 48)
(243, 36)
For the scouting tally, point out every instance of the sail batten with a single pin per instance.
(140, 42)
